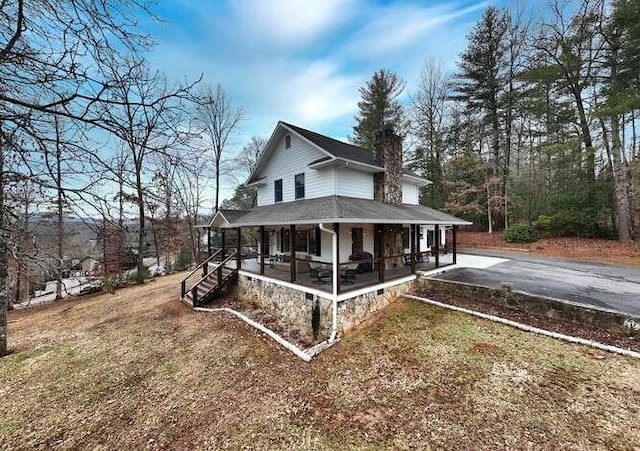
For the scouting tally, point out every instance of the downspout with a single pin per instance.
(334, 250)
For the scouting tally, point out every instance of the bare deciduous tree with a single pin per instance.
(248, 157)
(217, 120)
(144, 113)
(191, 180)
(50, 52)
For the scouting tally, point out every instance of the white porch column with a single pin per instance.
(336, 274)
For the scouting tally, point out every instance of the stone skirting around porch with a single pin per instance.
(295, 306)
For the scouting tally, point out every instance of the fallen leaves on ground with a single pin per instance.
(605, 251)
(137, 369)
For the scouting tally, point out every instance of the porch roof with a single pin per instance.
(332, 209)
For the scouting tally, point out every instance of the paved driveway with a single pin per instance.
(607, 286)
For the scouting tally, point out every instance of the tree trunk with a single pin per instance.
(4, 305)
(620, 178)
(155, 240)
(621, 184)
(590, 152)
(141, 232)
(217, 183)
(489, 219)
(59, 236)
(192, 240)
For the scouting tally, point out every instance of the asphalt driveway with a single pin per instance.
(601, 285)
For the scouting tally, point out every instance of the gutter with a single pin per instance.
(334, 297)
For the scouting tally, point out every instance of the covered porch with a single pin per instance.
(339, 257)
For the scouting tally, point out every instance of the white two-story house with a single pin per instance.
(337, 227)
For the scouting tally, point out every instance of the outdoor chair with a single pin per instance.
(350, 273)
(316, 271)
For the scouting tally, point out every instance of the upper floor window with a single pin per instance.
(300, 186)
(277, 187)
(287, 141)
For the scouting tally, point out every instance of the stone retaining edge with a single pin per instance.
(550, 307)
(527, 328)
(290, 346)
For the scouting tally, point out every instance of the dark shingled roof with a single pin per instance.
(233, 215)
(342, 209)
(337, 148)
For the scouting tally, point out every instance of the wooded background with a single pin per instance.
(537, 125)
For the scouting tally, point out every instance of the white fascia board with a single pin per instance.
(304, 289)
(325, 294)
(262, 181)
(323, 164)
(346, 163)
(392, 283)
(353, 221)
(420, 181)
(263, 155)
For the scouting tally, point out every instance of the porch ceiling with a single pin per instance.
(338, 209)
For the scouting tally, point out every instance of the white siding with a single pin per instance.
(423, 231)
(409, 193)
(424, 246)
(286, 163)
(326, 242)
(345, 241)
(352, 183)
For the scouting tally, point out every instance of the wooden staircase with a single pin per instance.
(208, 279)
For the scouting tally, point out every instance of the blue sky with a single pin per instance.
(303, 61)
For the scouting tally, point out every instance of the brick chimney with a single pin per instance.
(387, 185)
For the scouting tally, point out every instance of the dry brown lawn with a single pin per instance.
(137, 369)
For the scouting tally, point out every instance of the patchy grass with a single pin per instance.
(136, 369)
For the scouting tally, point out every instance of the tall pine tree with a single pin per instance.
(480, 81)
(379, 108)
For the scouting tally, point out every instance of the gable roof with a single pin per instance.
(225, 217)
(338, 149)
(332, 148)
(341, 209)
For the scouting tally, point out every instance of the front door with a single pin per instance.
(356, 240)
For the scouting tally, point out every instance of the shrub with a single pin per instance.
(520, 233)
(544, 223)
(315, 319)
(113, 281)
(184, 258)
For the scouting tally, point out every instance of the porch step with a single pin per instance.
(209, 286)
(188, 299)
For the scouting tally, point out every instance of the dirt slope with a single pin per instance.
(137, 369)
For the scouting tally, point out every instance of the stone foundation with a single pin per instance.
(295, 309)
(287, 303)
(355, 311)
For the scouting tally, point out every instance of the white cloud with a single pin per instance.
(291, 22)
(320, 93)
(398, 26)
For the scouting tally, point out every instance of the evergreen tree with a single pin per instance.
(480, 84)
(482, 74)
(243, 198)
(379, 108)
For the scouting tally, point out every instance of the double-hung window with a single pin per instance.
(277, 187)
(299, 184)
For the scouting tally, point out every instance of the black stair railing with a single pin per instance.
(205, 270)
(220, 279)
